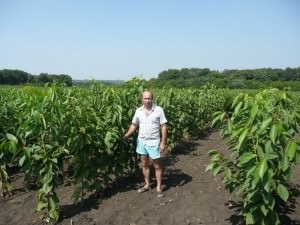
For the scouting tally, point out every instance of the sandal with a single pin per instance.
(160, 194)
(142, 190)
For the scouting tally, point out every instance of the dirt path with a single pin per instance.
(191, 197)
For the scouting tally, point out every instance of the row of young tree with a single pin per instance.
(16, 77)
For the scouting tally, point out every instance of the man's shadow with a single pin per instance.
(176, 177)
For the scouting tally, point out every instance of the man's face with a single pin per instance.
(147, 99)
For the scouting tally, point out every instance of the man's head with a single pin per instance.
(147, 98)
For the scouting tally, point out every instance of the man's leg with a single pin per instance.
(158, 173)
(146, 170)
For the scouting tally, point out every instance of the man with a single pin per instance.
(152, 137)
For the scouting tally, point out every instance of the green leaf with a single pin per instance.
(282, 192)
(251, 171)
(267, 182)
(265, 124)
(47, 178)
(271, 156)
(216, 157)
(273, 133)
(28, 151)
(11, 137)
(254, 110)
(44, 121)
(107, 139)
(229, 126)
(46, 188)
(219, 117)
(236, 133)
(9, 187)
(237, 108)
(22, 160)
(227, 173)
(37, 157)
(264, 210)
(269, 200)
(41, 205)
(54, 160)
(256, 174)
(217, 170)
(262, 168)
(291, 150)
(268, 147)
(260, 152)
(274, 219)
(242, 138)
(250, 218)
(210, 166)
(53, 203)
(53, 214)
(212, 152)
(12, 147)
(27, 133)
(246, 157)
(36, 115)
(285, 163)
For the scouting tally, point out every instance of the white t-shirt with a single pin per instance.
(149, 125)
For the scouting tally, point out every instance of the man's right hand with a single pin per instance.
(125, 137)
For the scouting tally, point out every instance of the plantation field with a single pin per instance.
(193, 196)
(63, 158)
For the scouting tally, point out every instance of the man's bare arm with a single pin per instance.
(164, 131)
(130, 131)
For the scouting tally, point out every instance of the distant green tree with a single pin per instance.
(237, 84)
(13, 76)
(4, 77)
(44, 78)
(171, 74)
(65, 79)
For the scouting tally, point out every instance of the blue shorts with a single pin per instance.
(152, 151)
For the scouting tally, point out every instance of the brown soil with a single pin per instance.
(192, 196)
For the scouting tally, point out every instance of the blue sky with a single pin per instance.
(120, 39)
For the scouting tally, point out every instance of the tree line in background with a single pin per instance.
(181, 78)
(16, 77)
(250, 79)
